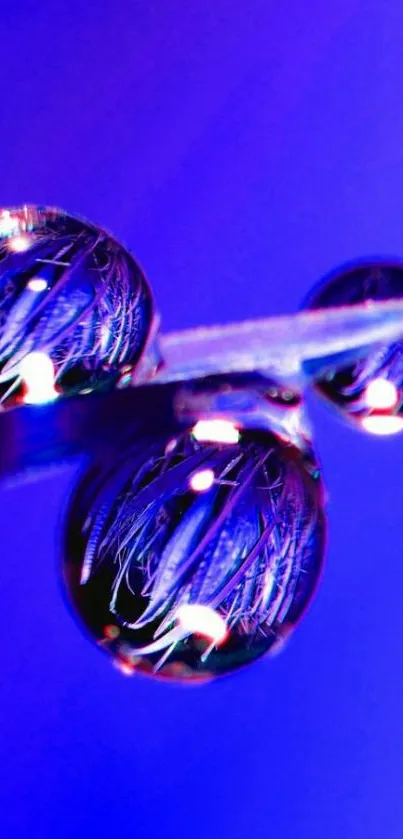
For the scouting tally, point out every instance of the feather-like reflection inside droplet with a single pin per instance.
(70, 290)
(142, 546)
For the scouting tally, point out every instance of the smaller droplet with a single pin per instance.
(367, 391)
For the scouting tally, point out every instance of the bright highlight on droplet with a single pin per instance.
(37, 284)
(125, 667)
(19, 244)
(37, 373)
(381, 394)
(202, 620)
(216, 431)
(382, 425)
(202, 481)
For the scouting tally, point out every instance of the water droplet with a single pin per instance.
(198, 583)
(71, 290)
(367, 391)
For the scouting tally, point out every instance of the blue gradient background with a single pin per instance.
(241, 152)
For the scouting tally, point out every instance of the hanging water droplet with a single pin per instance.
(199, 577)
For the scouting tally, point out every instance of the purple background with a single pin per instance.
(241, 152)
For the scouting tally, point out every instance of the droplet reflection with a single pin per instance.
(199, 583)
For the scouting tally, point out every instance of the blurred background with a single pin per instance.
(241, 151)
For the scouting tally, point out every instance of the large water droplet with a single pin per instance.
(187, 557)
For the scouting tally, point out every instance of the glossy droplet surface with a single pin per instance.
(70, 290)
(369, 391)
(188, 558)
